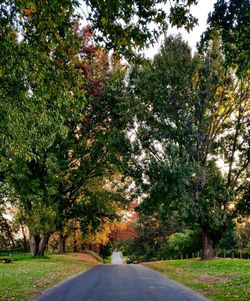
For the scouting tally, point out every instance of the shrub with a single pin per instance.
(181, 243)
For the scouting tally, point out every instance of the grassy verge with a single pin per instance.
(28, 276)
(218, 279)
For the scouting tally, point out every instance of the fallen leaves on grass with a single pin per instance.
(214, 279)
(86, 258)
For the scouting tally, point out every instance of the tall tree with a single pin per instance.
(62, 166)
(190, 113)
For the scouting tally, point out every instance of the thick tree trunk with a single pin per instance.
(62, 243)
(38, 244)
(42, 244)
(34, 244)
(208, 245)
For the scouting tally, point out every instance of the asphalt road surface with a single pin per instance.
(119, 282)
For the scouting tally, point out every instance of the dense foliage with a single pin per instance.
(76, 131)
(230, 20)
(190, 113)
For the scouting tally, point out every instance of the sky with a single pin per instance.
(201, 11)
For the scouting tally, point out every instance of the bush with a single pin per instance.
(105, 251)
(181, 244)
(229, 241)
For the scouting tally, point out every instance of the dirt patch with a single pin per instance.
(214, 279)
(87, 258)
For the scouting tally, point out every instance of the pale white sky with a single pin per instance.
(201, 11)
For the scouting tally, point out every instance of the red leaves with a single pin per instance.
(85, 121)
(123, 231)
(93, 61)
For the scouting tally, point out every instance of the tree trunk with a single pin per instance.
(25, 243)
(62, 243)
(75, 247)
(38, 244)
(34, 244)
(208, 245)
(6, 229)
(42, 244)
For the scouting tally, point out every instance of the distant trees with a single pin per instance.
(243, 231)
(7, 240)
(182, 244)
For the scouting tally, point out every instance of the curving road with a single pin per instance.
(118, 282)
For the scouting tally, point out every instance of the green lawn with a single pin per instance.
(27, 276)
(218, 279)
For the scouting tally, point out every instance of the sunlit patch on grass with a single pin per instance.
(28, 276)
(219, 279)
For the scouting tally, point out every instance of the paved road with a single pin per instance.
(120, 283)
(116, 258)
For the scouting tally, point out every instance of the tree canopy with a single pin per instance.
(77, 127)
(190, 113)
(230, 20)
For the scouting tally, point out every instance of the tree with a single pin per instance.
(32, 49)
(231, 21)
(243, 231)
(39, 86)
(6, 233)
(182, 243)
(125, 25)
(54, 131)
(190, 113)
(50, 183)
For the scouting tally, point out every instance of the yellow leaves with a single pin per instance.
(123, 41)
(219, 90)
(70, 51)
(103, 236)
(27, 11)
(42, 218)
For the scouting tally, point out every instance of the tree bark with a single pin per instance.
(25, 243)
(34, 244)
(38, 244)
(208, 245)
(42, 244)
(62, 243)
(6, 229)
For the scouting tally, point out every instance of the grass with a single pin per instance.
(218, 279)
(27, 276)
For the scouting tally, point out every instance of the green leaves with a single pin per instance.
(230, 20)
(127, 25)
(189, 115)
